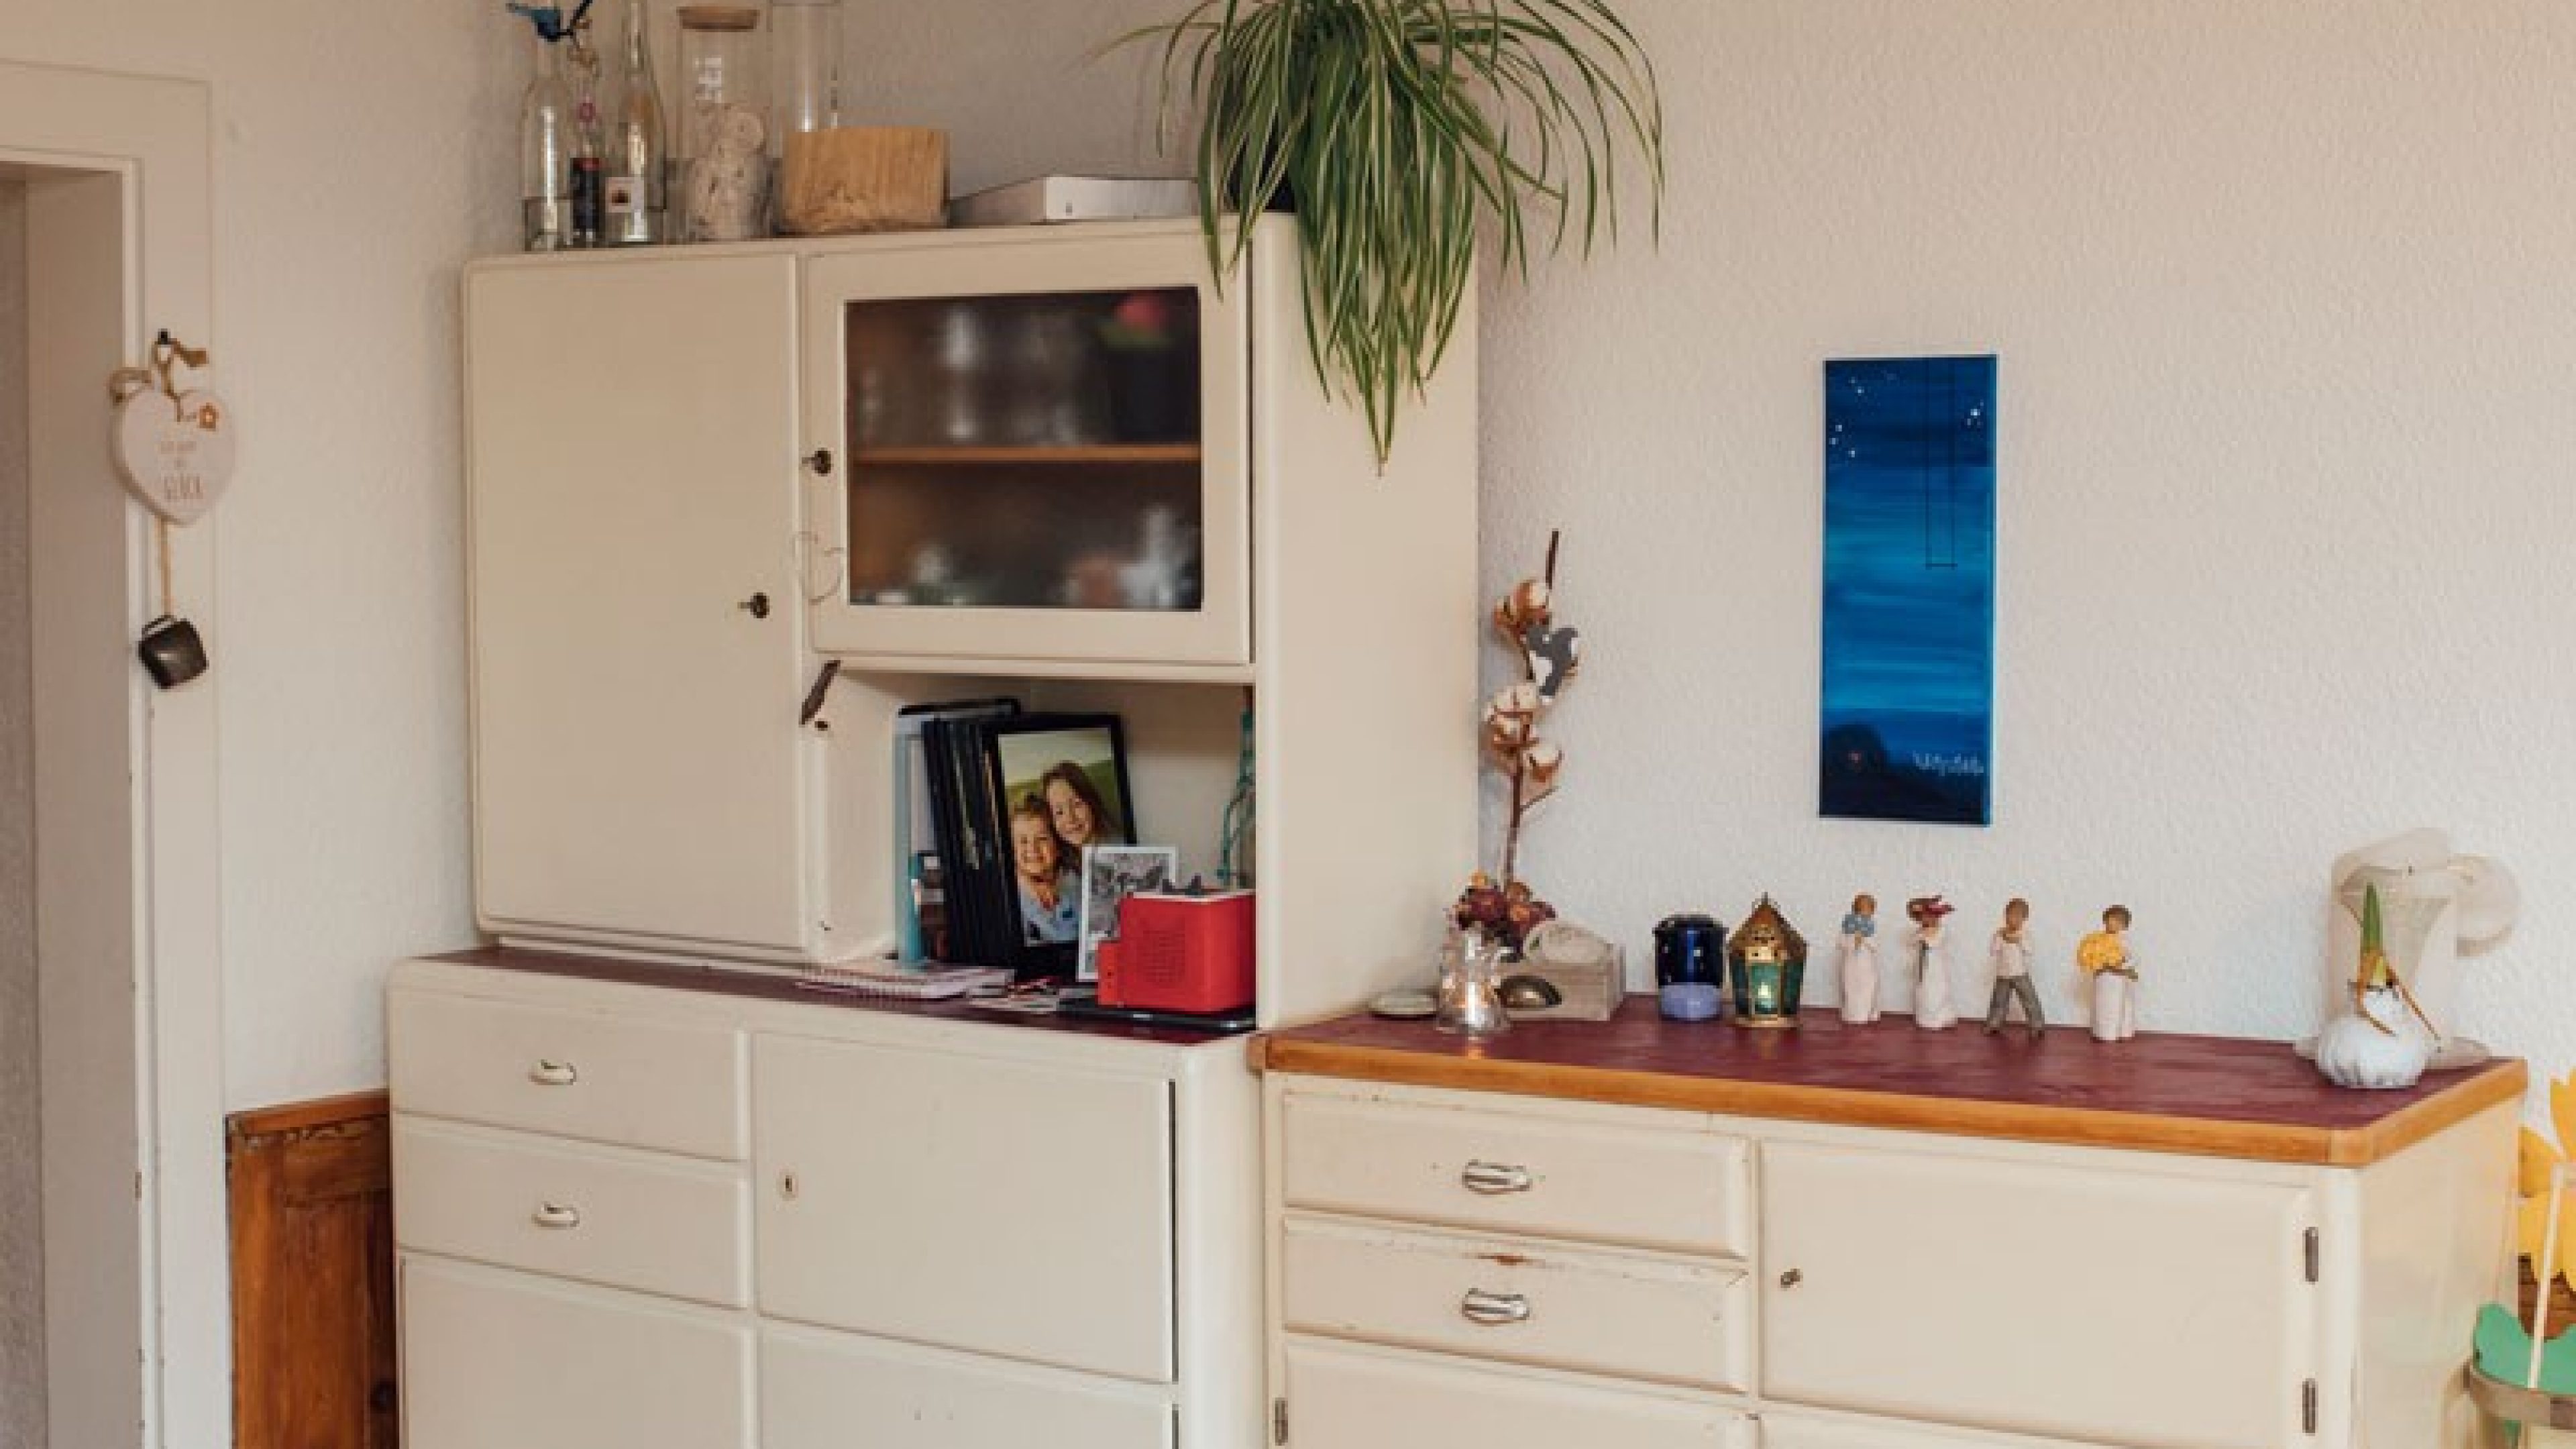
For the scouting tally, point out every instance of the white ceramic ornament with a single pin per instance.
(2352, 1052)
(174, 454)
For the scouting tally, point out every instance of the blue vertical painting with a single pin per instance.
(1909, 648)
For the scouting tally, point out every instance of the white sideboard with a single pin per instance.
(644, 1207)
(1858, 1240)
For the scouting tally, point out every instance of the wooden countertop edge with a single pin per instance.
(1960, 1117)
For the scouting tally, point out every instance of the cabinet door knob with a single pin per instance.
(1792, 1278)
(556, 1215)
(1494, 1179)
(1494, 1310)
(553, 1074)
(757, 606)
(819, 462)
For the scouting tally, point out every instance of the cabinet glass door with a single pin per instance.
(1041, 451)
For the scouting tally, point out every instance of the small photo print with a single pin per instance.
(1110, 874)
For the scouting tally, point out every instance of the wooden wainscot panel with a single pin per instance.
(313, 1285)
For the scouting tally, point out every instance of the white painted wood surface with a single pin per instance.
(1916, 1291)
(831, 1391)
(634, 1081)
(1000, 1207)
(1669, 1319)
(493, 1359)
(646, 1221)
(632, 488)
(1349, 1397)
(1678, 1187)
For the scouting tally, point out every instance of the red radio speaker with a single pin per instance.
(1179, 952)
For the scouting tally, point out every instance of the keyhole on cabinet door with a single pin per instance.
(757, 606)
(1792, 1278)
(787, 1187)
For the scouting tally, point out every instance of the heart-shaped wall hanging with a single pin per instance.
(175, 454)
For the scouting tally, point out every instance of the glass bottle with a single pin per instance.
(545, 154)
(589, 146)
(1471, 998)
(805, 68)
(724, 132)
(637, 190)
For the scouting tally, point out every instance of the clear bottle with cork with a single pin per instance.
(545, 139)
(637, 189)
(724, 128)
(589, 142)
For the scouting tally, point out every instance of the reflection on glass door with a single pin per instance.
(1035, 451)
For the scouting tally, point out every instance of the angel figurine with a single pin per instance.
(2104, 957)
(1860, 961)
(1932, 1008)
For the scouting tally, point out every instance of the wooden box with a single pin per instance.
(1588, 992)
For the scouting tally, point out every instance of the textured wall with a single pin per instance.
(22, 1255)
(360, 157)
(2281, 297)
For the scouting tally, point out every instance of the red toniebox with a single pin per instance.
(1179, 952)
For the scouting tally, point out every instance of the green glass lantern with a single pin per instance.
(1766, 963)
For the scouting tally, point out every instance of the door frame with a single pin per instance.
(153, 136)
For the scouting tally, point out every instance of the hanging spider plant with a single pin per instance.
(1392, 127)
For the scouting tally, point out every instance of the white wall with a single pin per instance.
(360, 157)
(22, 1252)
(2282, 300)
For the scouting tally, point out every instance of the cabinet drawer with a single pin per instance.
(605, 1078)
(1649, 1318)
(1345, 1397)
(2092, 1298)
(832, 1391)
(493, 1360)
(673, 1226)
(1646, 1185)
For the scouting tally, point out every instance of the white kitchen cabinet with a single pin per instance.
(492, 1359)
(694, 476)
(1000, 1207)
(1934, 1287)
(944, 1229)
(2077, 1297)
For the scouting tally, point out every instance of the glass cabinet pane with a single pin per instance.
(1029, 452)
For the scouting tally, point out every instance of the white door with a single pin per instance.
(1354, 1398)
(992, 1206)
(640, 771)
(495, 1360)
(2103, 1299)
(837, 1390)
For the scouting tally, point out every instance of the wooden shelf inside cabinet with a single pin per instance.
(1078, 455)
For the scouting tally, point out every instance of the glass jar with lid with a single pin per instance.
(724, 125)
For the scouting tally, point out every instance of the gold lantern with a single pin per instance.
(1766, 962)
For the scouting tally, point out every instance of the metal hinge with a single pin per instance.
(2308, 1406)
(1278, 1421)
(2316, 1255)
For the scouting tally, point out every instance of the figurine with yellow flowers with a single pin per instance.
(1501, 904)
(2104, 958)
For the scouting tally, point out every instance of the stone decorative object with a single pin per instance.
(864, 179)
(1584, 970)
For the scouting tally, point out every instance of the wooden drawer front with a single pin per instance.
(1649, 1186)
(2098, 1299)
(1344, 1397)
(672, 1225)
(496, 1361)
(604, 1078)
(1613, 1313)
(997, 1207)
(834, 1391)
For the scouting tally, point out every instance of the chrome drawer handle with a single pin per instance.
(1494, 1310)
(556, 1215)
(1494, 1179)
(553, 1074)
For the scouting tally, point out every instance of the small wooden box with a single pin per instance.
(1590, 993)
(864, 179)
